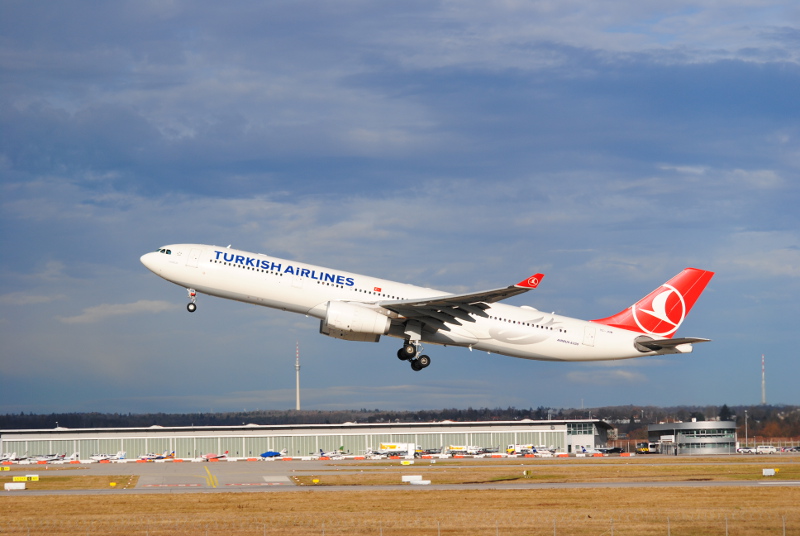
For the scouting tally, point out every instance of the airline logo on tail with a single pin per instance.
(663, 315)
(532, 282)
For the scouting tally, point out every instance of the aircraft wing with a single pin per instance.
(451, 308)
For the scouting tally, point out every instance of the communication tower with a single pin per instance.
(297, 376)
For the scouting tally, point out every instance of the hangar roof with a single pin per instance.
(247, 429)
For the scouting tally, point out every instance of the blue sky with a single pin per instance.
(455, 145)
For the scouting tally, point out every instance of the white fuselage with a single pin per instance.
(306, 289)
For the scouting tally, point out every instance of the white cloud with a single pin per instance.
(24, 298)
(759, 254)
(100, 313)
(606, 377)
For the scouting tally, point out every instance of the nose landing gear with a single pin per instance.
(192, 306)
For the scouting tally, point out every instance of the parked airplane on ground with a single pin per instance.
(361, 308)
(108, 457)
(64, 459)
(152, 457)
(274, 453)
(332, 453)
(209, 457)
(48, 457)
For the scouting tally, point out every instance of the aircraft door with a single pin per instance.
(588, 336)
(194, 257)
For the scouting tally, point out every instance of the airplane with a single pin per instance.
(48, 458)
(274, 453)
(151, 457)
(331, 454)
(210, 457)
(12, 457)
(64, 459)
(108, 457)
(357, 307)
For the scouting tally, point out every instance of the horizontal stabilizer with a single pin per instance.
(647, 344)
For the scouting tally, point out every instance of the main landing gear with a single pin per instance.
(409, 353)
(192, 306)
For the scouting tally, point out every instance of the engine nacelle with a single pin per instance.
(353, 323)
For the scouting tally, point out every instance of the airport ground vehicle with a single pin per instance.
(521, 449)
(464, 449)
(647, 448)
(766, 449)
(397, 449)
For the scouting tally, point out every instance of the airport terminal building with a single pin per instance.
(696, 437)
(565, 436)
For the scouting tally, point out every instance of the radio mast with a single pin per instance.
(297, 380)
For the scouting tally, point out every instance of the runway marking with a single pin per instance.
(211, 480)
(171, 486)
(258, 484)
(281, 479)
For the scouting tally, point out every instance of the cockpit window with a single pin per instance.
(165, 251)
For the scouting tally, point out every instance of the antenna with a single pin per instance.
(763, 383)
(297, 380)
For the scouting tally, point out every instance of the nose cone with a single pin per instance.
(150, 260)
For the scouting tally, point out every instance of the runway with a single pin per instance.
(279, 476)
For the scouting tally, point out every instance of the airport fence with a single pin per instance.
(731, 524)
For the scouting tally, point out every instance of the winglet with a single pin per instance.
(532, 282)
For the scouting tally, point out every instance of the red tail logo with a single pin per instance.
(532, 282)
(661, 312)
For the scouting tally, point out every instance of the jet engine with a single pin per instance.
(353, 322)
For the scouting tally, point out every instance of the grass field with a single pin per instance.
(730, 510)
(548, 471)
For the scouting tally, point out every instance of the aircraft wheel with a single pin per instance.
(401, 355)
(192, 307)
(415, 365)
(409, 350)
(424, 361)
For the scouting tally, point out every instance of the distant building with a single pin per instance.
(693, 438)
(564, 436)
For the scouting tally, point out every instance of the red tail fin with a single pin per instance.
(661, 312)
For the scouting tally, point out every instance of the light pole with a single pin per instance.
(745, 428)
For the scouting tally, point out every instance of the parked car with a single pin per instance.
(746, 450)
